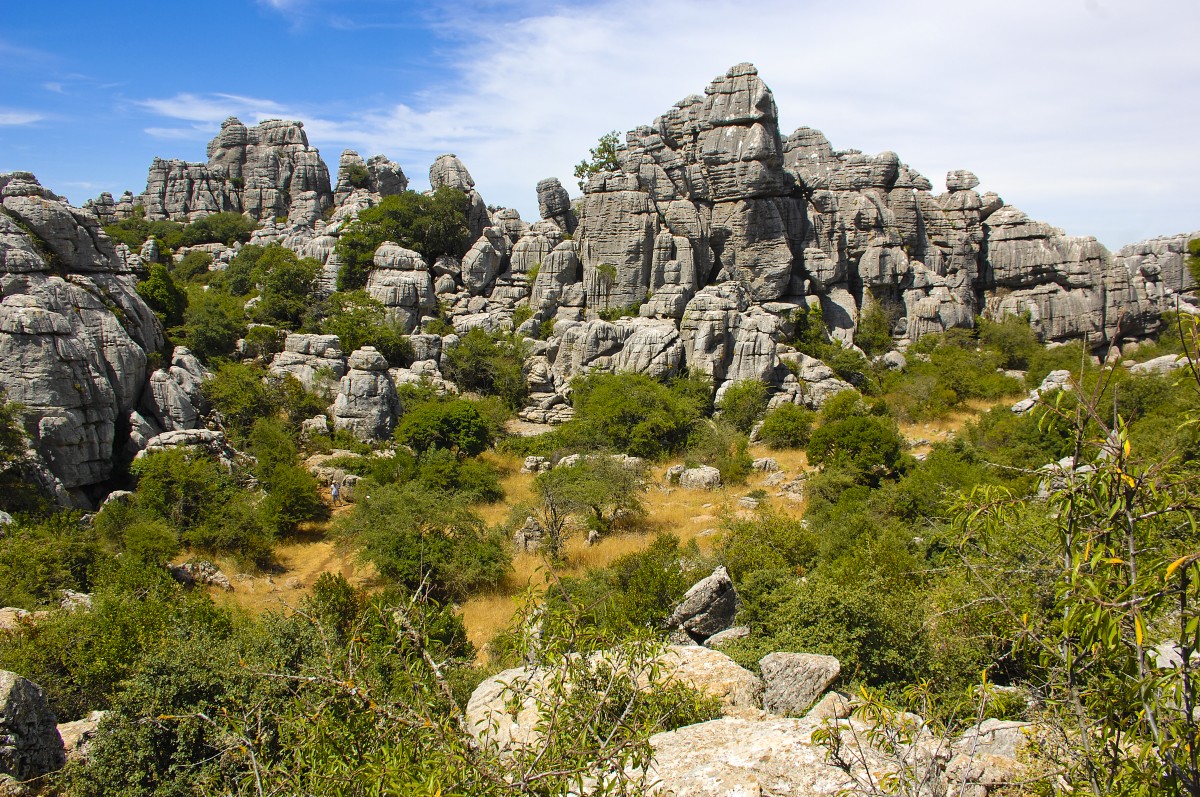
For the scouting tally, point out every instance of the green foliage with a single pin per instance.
(166, 299)
(264, 342)
(1012, 337)
(39, 559)
(634, 594)
(601, 158)
(722, 446)
(632, 413)
(870, 445)
(358, 176)
(603, 491)
(193, 267)
(217, 228)
(491, 365)
(431, 225)
(743, 403)
(82, 658)
(286, 282)
(238, 277)
(787, 426)
(213, 323)
(360, 320)
(957, 368)
(874, 332)
(454, 426)
(416, 537)
(245, 392)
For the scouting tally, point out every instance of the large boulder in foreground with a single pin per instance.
(30, 746)
(794, 680)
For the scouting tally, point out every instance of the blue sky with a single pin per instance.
(1081, 112)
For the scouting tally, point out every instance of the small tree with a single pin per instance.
(605, 491)
(602, 158)
(452, 425)
(743, 403)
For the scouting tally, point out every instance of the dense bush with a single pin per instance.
(419, 538)
(286, 282)
(491, 365)
(166, 299)
(432, 225)
(787, 426)
(453, 425)
(633, 413)
(213, 323)
(245, 392)
(869, 444)
(37, 559)
(723, 447)
(360, 320)
(743, 403)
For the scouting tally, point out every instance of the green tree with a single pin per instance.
(869, 444)
(786, 426)
(358, 319)
(455, 426)
(286, 282)
(213, 323)
(431, 225)
(420, 539)
(166, 299)
(601, 158)
(491, 365)
(743, 403)
(633, 413)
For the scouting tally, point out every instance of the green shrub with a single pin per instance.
(287, 281)
(787, 426)
(166, 299)
(416, 537)
(360, 320)
(431, 225)
(213, 323)
(870, 445)
(743, 403)
(39, 559)
(471, 480)
(194, 267)
(491, 365)
(632, 413)
(874, 332)
(454, 426)
(264, 342)
(725, 448)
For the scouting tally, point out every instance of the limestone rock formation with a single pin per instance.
(366, 403)
(265, 171)
(74, 334)
(30, 746)
(707, 608)
(310, 358)
(794, 680)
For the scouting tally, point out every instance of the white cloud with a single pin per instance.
(210, 108)
(13, 118)
(1078, 112)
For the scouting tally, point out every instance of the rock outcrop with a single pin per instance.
(707, 608)
(265, 171)
(30, 746)
(74, 334)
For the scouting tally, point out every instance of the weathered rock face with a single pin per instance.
(377, 176)
(366, 402)
(309, 358)
(265, 171)
(29, 742)
(74, 333)
(794, 680)
(707, 608)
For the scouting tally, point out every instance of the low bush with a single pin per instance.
(787, 426)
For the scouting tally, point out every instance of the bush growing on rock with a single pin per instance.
(213, 323)
(431, 225)
(491, 365)
(358, 319)
(455, 426)
(166, 299)
(286, 282)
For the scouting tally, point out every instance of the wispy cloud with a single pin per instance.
(13, 118)
(210, 108)
(1047, 115)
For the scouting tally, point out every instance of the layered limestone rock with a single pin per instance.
(366, 403)
(30, 746)
(74, 334)
(265, 171)
(312, 359)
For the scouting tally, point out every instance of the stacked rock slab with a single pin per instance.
(30, 746)
(265, 171)
(74, 334)
(366, 403)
